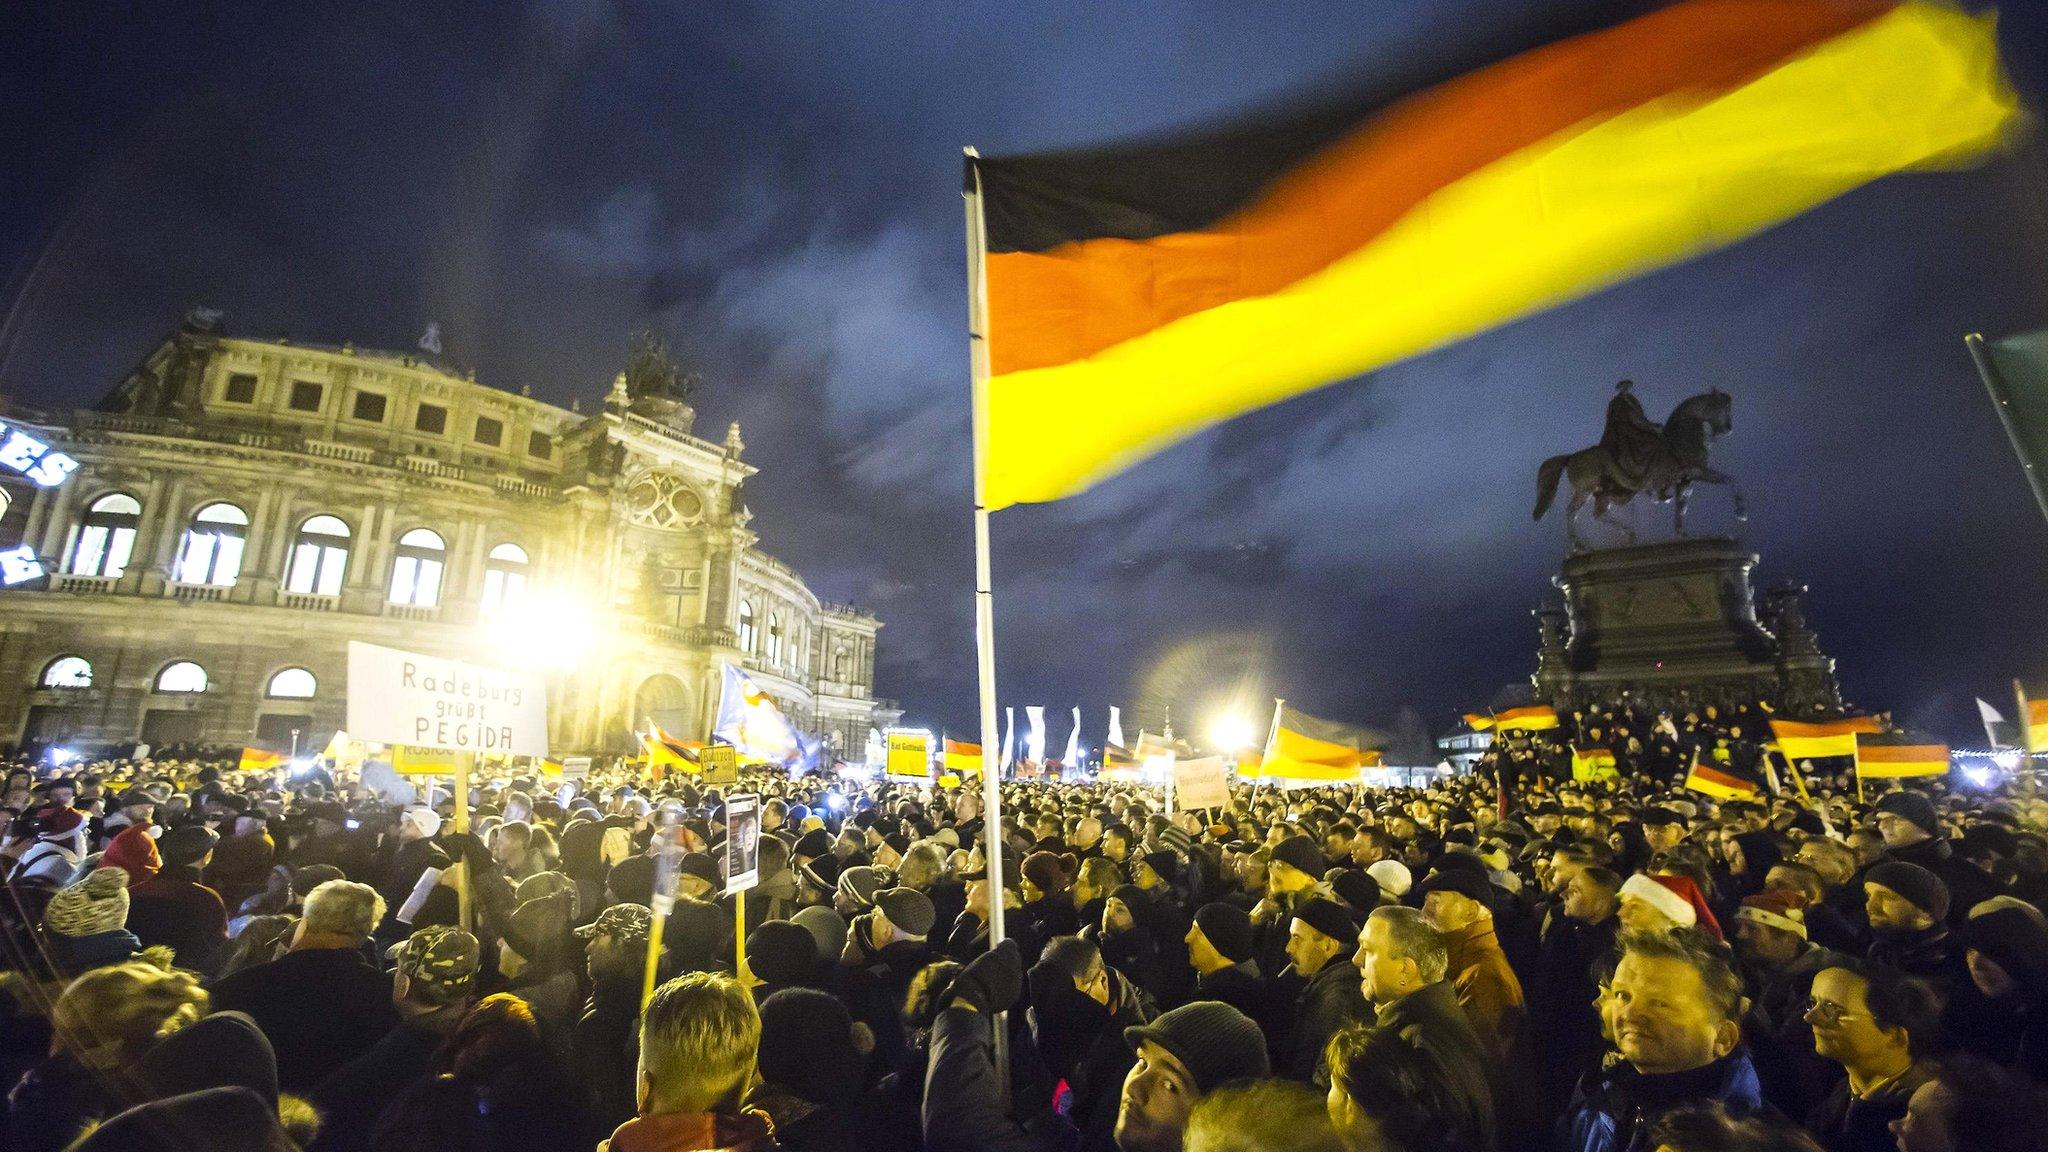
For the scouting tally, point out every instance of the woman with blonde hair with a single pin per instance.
(102, 1024)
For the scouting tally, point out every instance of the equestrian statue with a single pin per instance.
(1637, 456)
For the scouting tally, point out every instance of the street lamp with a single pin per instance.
(1231, 732)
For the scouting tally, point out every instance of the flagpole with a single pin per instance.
(1994, 383)
(984, 590)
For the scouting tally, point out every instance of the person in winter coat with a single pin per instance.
(431, 988)
(1327, 995)
(607, 1042)
(322, 1003)
(2007, 941)
(1402, 961)
(174, 909)
(1674, 1007)
(1908, 908)
(1879, 1026)
(59, 846)
(1579, 935)
(1912, 835)
(810, 1080)
(1220, 945)
(86, 925)
(1458, 903)
(884, 951)
(1778, 964)
(1080, 1007)
(497, 1086)
(699, 1047)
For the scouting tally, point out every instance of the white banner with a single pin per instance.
(420, 701)
(1200, 784)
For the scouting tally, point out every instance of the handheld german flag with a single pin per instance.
(664, 752)
(1823, 739)
(1121, 764)
(1717, 782)
(1138, 295)
(1477, 721)
(1303, 750)
(1594, 764)
(2033, 718)
(1878, 757)
(963, 757)
(1536, 718)
(259, 760)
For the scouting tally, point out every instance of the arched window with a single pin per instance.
(292, 684)
(840, 665)
(67, 672)
(747, 636)
(106, 537)
(319, 557)
(212, 551)
(774, 638)
(416, 573)
(183, 676)
(504, 577)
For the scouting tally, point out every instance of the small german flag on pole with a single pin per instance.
(1877, 757)
(1593, 764)
(1535, 718)
(1822, 739)
(1137, 295)
(2033, 719)
(963, 757)
(1718, 782)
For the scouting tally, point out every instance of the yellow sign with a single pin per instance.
(720, 763)
(909, 756)
(423, 761)
(949, 780)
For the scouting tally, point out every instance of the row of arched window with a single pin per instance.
(211, 553)
(772, 644)
(179, 677)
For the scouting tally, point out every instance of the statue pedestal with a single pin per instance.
(1677, 619)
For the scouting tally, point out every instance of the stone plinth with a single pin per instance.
(1676, 617)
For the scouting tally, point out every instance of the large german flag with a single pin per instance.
(1305, 750)
(1819, 740)
(1882, 757)
(1136, 296)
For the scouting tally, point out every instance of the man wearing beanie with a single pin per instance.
(432, 987)
(1908, 909)
(173, 909)
(1220, 950)
(1182, 1056)
(1296, 866)
(2008, 960)
(1324, 988)
(1912, 835)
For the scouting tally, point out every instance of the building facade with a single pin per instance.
(242, 509)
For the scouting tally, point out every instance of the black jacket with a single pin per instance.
(1561, 1013)
(963, 1100)
(320, 1007)
(1430, 1019)
(357, 1093)
(1968, 885)
(1329, 1001)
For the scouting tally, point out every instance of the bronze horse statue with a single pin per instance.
(1676, 460)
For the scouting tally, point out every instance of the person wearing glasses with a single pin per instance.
(1879, 1025)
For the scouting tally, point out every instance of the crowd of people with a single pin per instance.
(202, 958)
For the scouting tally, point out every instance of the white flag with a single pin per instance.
(1034, 742)
(1116, 726)
(1989, 713)
(1009, 740)
(1072, 758)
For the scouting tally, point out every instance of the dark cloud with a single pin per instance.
(774, 186)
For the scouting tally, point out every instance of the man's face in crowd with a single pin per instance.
(1925, 1126)
(1661, 1018)
(1821, 860)
(1157, 1097)
(1888, 909)
(1899, 832)
(1116, 917)
(1771, 947)
(63, 795)
(1989, 976)
(1559, 872)
(1383, 976)
(1663, 837)
(1586, 901)
(1792, 882)
(1843, 1029)
(1309, 949)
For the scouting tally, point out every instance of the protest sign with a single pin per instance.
(909, 757)
(720, 763)
(1200, 784)
(397, 697)
(742, 843)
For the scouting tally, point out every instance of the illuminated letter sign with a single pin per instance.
(32, 458)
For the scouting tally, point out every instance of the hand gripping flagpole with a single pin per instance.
(984, 594)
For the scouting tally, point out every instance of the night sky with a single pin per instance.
(775, 187)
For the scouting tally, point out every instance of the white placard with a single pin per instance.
(742, 843)
(418, 899)
(397, 697)
(1200, 784)
(575, 767)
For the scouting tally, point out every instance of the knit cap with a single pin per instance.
(1215, 1042)
(220, 1050)
(1176, 838)
(58, 823)
(1327, 917)
(1784, 911)
(860, 883)
(1393, 876)
(781, 952)
(1228, 929)
(1047, 872)
(1301, 853)
(1356, 889)
(826, 926)
(2014, 935)
(629, 923)
(1914, 807)
(1916, 885)
(98, 903)
(908, 909)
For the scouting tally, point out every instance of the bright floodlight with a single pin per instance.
(1231, 732)
(543, 629)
